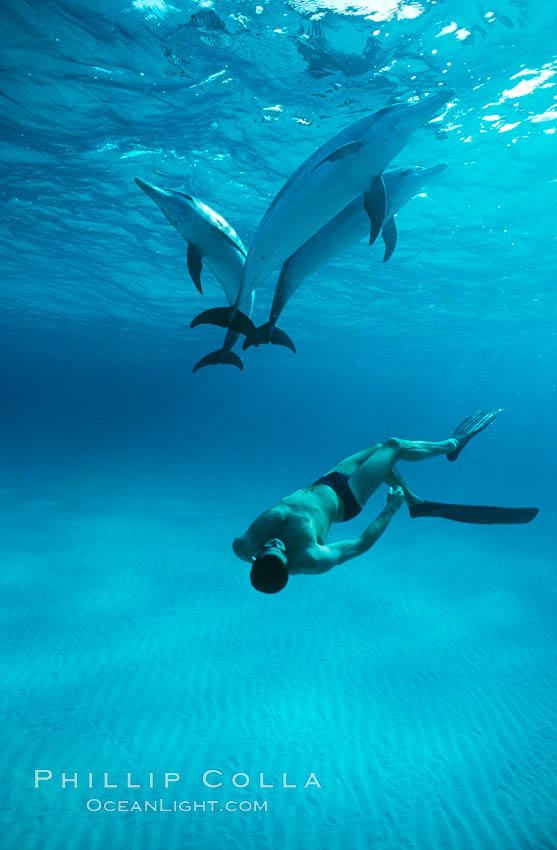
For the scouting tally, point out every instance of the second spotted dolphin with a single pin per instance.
(211, 240)
(347, 166)
(347, 228)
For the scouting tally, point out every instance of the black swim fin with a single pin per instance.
(220, 356)
(269, 333)
(480, 514)
(471, 426)
(226, 317)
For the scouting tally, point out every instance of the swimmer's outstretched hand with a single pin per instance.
(395, 497)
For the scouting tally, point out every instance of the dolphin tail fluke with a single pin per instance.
(255, 339)
(375, 204)
(220, 356)
(226, 317)
(279, 337)
(269, 333)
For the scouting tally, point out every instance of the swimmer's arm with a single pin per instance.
(324, 558)
(248, 544)
(243, 549)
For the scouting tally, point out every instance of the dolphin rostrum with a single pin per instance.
(347, 166)
(211, 240)
(348, 227)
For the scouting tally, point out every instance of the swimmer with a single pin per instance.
(290, 538)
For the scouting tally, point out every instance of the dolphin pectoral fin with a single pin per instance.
(269, 333)
(389, 237)
(346, 150)
(375, 204)
(226, 317)
(195, 265)
(220, 356)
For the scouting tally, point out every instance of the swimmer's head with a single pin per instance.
(269, 572)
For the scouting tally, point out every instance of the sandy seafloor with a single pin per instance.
(418, 683)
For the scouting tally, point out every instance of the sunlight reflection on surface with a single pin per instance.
(380, 10)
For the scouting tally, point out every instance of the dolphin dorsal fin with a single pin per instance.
(389, 235)
(348, 149)
(195, 265)
(231, 241)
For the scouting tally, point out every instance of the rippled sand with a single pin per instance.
(417, 683)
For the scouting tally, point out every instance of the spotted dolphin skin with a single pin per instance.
(348, 227)
(346, 167)
(213, 242)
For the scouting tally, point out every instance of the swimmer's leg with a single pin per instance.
(349, 465)
(379, 465)
(395, 479)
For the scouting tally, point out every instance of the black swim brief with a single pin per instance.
(338, 482)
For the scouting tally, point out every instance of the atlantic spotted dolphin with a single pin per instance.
(347, 166)
(211, 240)
(348, 227)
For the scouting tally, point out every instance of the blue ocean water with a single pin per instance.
(417, 683)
